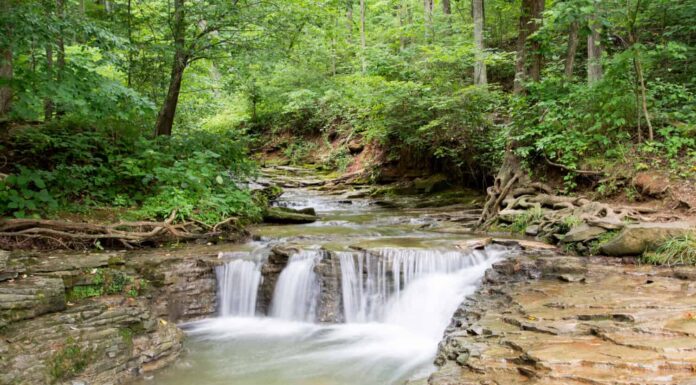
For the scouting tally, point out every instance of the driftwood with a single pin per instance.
(16, 232)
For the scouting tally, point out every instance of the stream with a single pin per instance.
(400, 283)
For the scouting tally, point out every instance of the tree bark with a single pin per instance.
(446, 7)
(165, 118)
(428, 20)
(480, 76)
(521, 57)
(363, 44)
(48, 102)
(530, 21)
(60, 44)
(644, 99)
(6, 75)
(537, 56)
(594, 52)
(572, 49)
(349, 20)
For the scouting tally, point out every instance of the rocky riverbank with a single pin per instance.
(541, 318)
(98, 318)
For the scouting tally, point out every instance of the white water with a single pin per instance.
(238, 285)
(372, 282)
(397, 302)
(295, 295)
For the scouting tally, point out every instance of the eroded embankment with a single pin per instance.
(547, 319)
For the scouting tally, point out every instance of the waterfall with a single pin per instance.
(375, 283)
(296, 292)
(238, 284)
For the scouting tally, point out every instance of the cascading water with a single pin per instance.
(396, 299)
(238, 285)
(296, 292)
(374, 282)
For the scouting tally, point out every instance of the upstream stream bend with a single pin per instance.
(363, 297)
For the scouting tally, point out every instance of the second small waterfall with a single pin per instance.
(296, 292)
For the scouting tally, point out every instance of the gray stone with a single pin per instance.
(30, 297)
(283, 215)
(583, 233)
(532, 230)
(638, 238)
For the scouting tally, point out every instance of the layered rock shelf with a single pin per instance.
(541, 318)
(98, 318)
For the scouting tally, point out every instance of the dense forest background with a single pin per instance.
(153, 107)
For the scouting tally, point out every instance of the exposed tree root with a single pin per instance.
(16, 233)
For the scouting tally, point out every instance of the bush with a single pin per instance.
(199, 173)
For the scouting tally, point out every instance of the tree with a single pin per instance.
(201, 30)
(594, 51)
(530, 21)
(363, 45)
(480, 77)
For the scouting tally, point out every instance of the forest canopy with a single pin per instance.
(155, 106)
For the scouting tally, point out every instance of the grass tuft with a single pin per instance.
(674, 251)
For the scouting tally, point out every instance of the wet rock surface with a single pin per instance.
(545, 319)
(102, 318)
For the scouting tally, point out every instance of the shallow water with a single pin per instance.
(393, 324)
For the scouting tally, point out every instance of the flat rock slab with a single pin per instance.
(571, 321)
(30, 297)
(635, 239)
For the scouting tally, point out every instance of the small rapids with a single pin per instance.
(397, 294)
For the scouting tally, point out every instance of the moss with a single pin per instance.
(107, 282)
(68, 361)
(603, 239)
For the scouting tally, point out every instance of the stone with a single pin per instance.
(583, 233)
(532, 230)
(431, 184)
(474, 244)
(635, 239)
(574, 321)
(356, 146)
(30, 297)
(283, 215)
(651, 183)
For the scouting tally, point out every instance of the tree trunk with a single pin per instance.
(594, 52)
(165, 118)
(446, 7)
(644, 99)
(428, 20)
(521, 57)
(60, 43)
(402, 23)
(363, 44)
(537, 56)
(572, 49)
(6, 75)
(349, 20)
(48, 102)
(480, 76)
(530, 20)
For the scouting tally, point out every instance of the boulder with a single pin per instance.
(651, 183)
(356, 146)
(431, 184)
(284, 215)
(635, 239)
(583, 233)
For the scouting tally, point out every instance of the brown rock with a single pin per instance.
(651, 183)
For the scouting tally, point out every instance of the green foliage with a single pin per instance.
(604, 238)
(674, 251)
(67, 167)
(529, 217)
(108, 282)
(69, 361)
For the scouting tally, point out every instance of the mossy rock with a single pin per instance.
(283, 215)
